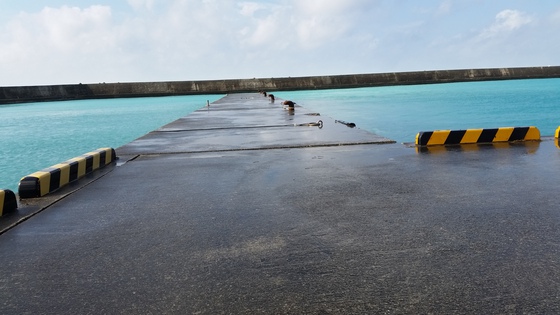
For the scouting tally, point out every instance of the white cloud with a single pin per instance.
(555, 16)
(263, 24)
(328, 7)
(76, 29)
(141, 4)
(56, 44)
(148, 40)
(304, 25)
(505, 22)
(65, 29)
(268, 31)
(319, 23)
(444, 7)
(249, 8)
(179, 39)
(511, 20)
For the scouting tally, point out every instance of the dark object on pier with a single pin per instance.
(349, 124)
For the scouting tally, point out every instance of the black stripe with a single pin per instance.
(10, 202)
(487, 135)
(113, 155)
(102, 155)
(74, 166)
(29, 187)
(518, 133)
(455, 136)
(89, 163)
(55, 179)
(424, 137)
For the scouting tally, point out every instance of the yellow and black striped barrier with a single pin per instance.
(505, 134)
(8, 202)
(52, 178)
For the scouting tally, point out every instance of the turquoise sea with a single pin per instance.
(400, 112)
(34, 136)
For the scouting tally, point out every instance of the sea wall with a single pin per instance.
(19, 94)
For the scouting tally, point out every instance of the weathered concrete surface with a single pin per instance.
(247, 122)
(141, 89)
(344, 229)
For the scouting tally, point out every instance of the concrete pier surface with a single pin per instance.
(236, 210)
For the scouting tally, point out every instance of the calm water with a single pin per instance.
(37, 135)
(34, 136)
(400, 112)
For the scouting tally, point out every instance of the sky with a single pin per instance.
(93, 41)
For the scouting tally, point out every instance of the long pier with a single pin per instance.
(243, 207)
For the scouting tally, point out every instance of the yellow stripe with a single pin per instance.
(533, 134)
(503, 134)
(438, 137)
(557, 134)
(471, 135)
(64, 173)
(96, 160)
(109, 157)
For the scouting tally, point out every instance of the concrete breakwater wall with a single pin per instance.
(20, 94)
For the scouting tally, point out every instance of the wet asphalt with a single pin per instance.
(234, 210)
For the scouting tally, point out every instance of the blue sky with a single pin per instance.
(92, 41)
